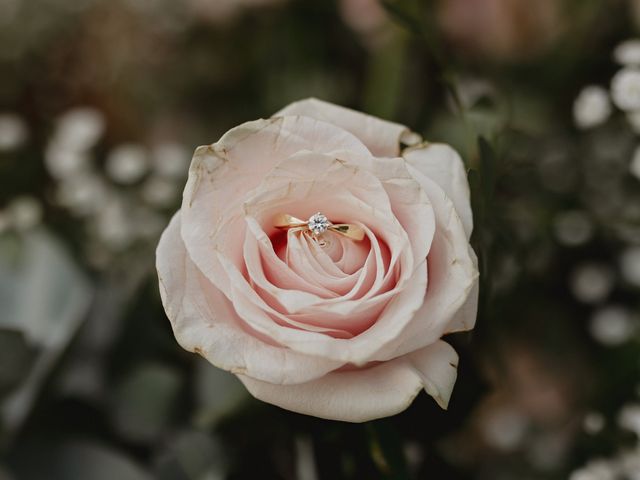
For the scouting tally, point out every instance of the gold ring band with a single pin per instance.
(317, 225)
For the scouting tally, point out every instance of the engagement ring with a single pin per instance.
(317, 225)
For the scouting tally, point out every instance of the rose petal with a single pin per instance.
(204, 321)
(368, 393)
(453, 276)
(443, 165)
(409, 202)
(465, 318)
(380, 136)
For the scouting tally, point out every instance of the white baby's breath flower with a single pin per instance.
(111, 225)
(625, 89)
(159, 192)
(634, 165)
(79, 129)
(630, 265)
(62, 162)
(629, 462)
(592, 107)
(83, 194)
(634, 121)
(5, 222)
(573, 227)
(505, 429)
(24, 213)
(611, 325)
(13, 131)
(592, 282)
(593, 423)
(629, 418)
(171, 160)
(597, 469)
(628, 52)
(127, 163)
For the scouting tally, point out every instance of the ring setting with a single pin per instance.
(318, 224)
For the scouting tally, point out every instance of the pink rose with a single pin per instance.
(349, 330)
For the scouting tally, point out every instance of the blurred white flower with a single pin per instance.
(13, 131)
(24, 213)
(79, 129)
(127, 163)
(628, 53)
(629, 418)
(592, 282)
(5, 223)
(573, 228)
(111, 225)
(62, 162)
(82, 194)
(630, 464)
(630, 265)
(595, 470)
(611, 325)
(593, 423)
(171, 160)
(625, 89)
(505, 428)
(634, 165)
(592, 107)
(634, 121)
(160, 192)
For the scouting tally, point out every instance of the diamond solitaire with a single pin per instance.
(318, 223)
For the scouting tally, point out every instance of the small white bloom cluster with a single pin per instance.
(22, 214)
(612, 325)
(13, 132)
(593, 105)
(125, 201)
(623, 465)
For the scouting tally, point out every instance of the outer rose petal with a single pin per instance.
(451, 299)
(443, 165)
(465, 319)
(369, 393)
(380, 136)
(204, 321)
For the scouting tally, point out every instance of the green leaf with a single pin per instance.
(193, 455)
(217, 392)
(46, 297)
(78, 461)
(144, 401)
(400, 11)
